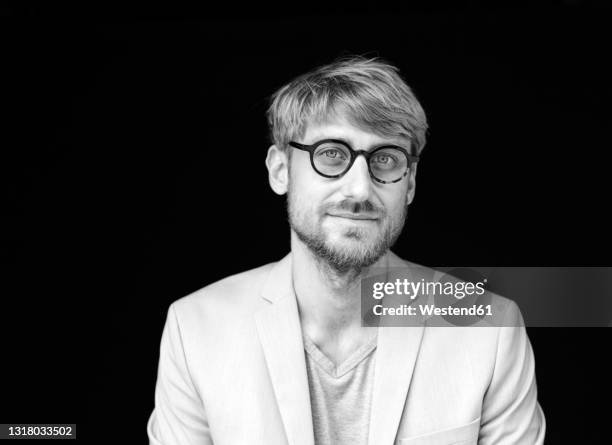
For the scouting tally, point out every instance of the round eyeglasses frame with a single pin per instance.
(412, 159)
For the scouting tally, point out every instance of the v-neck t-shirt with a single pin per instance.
(340, 395)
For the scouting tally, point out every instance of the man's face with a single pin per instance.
(351, 221)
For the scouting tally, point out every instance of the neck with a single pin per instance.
(329, 302)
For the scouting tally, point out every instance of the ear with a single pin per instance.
(411, 184)
(278, 170)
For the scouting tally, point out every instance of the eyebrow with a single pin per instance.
(369, 148)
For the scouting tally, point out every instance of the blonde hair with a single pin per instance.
(370, 92)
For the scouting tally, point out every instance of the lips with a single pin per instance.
(355, 216)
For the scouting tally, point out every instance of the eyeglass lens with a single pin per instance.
(386, 164)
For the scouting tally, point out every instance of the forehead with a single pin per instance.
(338, 126)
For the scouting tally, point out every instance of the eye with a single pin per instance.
(384, 159)
(332, 153)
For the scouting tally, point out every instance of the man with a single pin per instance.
(280, 355)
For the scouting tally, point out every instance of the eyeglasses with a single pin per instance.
(332, 158)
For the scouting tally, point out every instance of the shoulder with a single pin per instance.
(506, 312)
(232, 295)
(484, 338)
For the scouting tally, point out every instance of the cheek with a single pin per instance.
(304, 199)
(395, 204)
(305, 190)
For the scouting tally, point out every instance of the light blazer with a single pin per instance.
(232, 371)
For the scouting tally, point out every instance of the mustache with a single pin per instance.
(356, 207)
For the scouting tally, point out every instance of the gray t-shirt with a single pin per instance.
(340, 395)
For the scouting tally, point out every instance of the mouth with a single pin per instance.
(354, 216)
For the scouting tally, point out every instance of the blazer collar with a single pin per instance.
(279, 283)
(280, 333)
(396, 356)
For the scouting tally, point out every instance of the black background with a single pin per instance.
(133, 168)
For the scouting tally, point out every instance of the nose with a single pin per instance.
(356, 183)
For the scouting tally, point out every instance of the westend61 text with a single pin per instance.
(480, 310)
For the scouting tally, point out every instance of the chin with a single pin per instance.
(351, 242)
(348, 237)
(352, 232)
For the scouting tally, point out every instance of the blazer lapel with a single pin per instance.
(396, 355)
(279, 330)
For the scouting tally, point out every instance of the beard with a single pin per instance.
(355, 247)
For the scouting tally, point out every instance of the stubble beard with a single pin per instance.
(358, 252)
